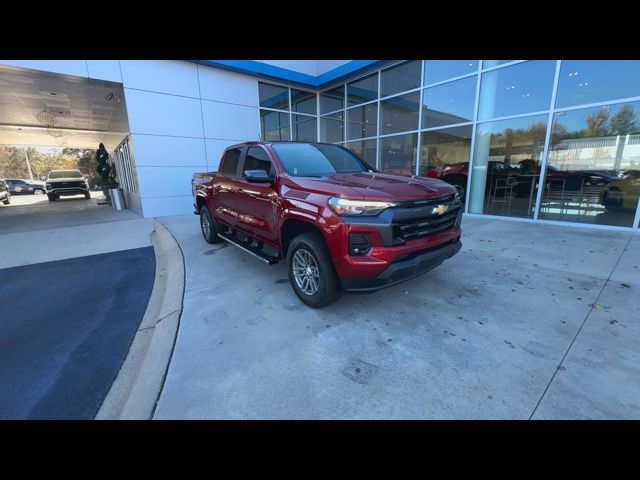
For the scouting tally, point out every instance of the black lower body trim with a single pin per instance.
(403, 270)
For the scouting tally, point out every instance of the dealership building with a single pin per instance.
(532, 140)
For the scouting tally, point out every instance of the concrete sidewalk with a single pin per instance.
(528, 321)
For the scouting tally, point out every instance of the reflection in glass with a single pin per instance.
(304, 128)
(449, 103)
(303, 102)
(365, 149)
(363, 90)
(332, 128)
(400, 78)
(332, 100)
(494, 63)
(506, 166)
(398, 154)
(399, 114)
(591, 81)
(274, 126)
(362, 121)
(439, 70)
(593, 170)
(522, 88)
(273, 96)
(444, 154)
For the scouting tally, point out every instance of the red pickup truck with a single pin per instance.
(340, 224)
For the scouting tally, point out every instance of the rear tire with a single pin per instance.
(38, 191)
(208, 226)
(311, 271)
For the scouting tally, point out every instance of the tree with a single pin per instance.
(597, 124)
(624, 122)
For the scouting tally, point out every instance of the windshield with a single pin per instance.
(65, 174)
(315, 160)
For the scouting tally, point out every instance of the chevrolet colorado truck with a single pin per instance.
(340, 224)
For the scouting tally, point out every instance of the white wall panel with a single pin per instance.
(230, 122)
(105, 70)
(66, 67)
(166, 76)
(165, 181)
(159, 207)
(229, 87)
(159, 114)
(153, 150)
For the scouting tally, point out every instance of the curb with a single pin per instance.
(136, 389)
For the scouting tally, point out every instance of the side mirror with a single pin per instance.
(257, 176)
(43, 178)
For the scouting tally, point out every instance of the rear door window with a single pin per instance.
(230, 162)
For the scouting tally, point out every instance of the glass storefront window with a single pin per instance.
(506, 166)
(273, 96)
(444, 154)
(332, 128)
(362, 121)
(303, 102)
(400, 78)
(399, 114)
(274, 125)
(449, 103)
(439, 70)
(365, 149)
(593, 169)
(591, 81)
(332, 100)
(398, 154)
(522, 88)
(304, 128)
(363, 90)
(494, 63)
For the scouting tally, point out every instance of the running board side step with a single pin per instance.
(256, 252)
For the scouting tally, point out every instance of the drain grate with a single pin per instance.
(359, 371)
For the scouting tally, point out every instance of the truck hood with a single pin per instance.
(373, 186)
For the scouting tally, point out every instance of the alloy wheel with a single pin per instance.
(306, 272)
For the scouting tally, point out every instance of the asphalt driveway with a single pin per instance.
(66, 329)
(528, 321)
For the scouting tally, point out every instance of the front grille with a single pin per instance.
(419, 227)
(68, 184)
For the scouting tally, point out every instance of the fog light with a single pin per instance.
(358, 244)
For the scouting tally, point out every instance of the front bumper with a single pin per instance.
(405, 269)
(68, 191)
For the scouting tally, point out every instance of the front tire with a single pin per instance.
(311, 272)
(87, 196)
(38, 191)
(6, 202)
(52, 198)
(208, 226)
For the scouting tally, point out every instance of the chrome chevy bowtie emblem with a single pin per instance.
(440, 209)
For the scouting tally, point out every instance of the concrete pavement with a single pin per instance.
(527, 321)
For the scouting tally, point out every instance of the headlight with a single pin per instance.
(343, 206)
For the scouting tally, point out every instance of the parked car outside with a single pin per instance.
(5, 194)
(66, 182)
(25, 187)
